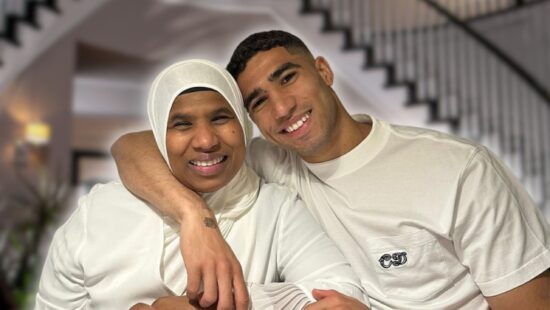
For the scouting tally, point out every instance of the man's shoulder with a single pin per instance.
(279, 191)
(272, 162)
(279, 202)
(433, 141)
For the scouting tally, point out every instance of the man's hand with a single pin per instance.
(209, 259)
(331, 299)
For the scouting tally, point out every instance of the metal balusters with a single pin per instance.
(518, 125)
(360, 35)
(493, 107)
(356, 17)
(527, 132)
(453, 64)
(431, 65)
(544, 26)
(467, 76)
(375, 33)
(537, 135)
(501, 125)
(410, 46)
(385, 32)
(3, 12)
(399, 45)
(443, 83)
(456, 100)
(423, 59)
(446, 64)
(545, 129)
(470, 79)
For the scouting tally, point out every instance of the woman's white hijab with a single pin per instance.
(239, 195)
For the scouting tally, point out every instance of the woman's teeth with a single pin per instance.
(207, 163)
(298, 124)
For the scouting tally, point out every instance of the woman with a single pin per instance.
(116, 251)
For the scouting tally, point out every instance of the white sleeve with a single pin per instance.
(274, 164)
(499, 234)
(307, 259)
(62, 281)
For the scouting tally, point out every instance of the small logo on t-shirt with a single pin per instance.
(395, 259)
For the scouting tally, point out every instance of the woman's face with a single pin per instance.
(204, 140)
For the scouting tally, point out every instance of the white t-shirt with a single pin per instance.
(427, 220)
(116, 251)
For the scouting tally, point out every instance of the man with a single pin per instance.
(428, 221)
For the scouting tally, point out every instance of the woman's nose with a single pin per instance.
(206, 138)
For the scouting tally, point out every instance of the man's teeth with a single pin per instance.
(298, 124)
(206, 163)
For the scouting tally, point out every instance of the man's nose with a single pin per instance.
(206, 138)
(284, 106)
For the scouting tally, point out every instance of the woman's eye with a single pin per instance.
(287, 78)
(182, 125)
(221, 119)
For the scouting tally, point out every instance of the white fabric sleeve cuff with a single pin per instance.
(275, 296)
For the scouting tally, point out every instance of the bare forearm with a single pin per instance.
(534, 294)
(145, 173)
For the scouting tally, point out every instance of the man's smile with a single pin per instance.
(296, 125)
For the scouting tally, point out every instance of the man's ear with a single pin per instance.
(324, 70)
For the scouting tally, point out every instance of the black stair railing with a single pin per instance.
(487, 8)
(13, 12)
(468, 81)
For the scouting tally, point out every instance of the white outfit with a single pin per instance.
(115, 251)
(428, 221)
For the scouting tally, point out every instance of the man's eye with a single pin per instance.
(257, 104)
(287, 78)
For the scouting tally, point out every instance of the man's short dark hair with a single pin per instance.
(263, 41)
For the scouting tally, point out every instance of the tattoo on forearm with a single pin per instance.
(210, 222)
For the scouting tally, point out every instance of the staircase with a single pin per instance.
(433, 49)
(16, 12)
(29, 27)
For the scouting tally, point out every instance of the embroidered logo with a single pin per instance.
(395, 259)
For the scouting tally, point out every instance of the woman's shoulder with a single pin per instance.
(112, 205)
(112, 197)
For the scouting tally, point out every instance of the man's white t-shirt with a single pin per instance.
(428, 221)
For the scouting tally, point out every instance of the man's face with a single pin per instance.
(204, 140)
(288, 96)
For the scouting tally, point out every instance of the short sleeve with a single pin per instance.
(62, 281)
(499, 234)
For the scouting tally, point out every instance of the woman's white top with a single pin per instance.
(115, 251)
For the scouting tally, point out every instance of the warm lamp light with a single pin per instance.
(37, 133)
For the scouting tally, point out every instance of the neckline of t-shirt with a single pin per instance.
(359, 156)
